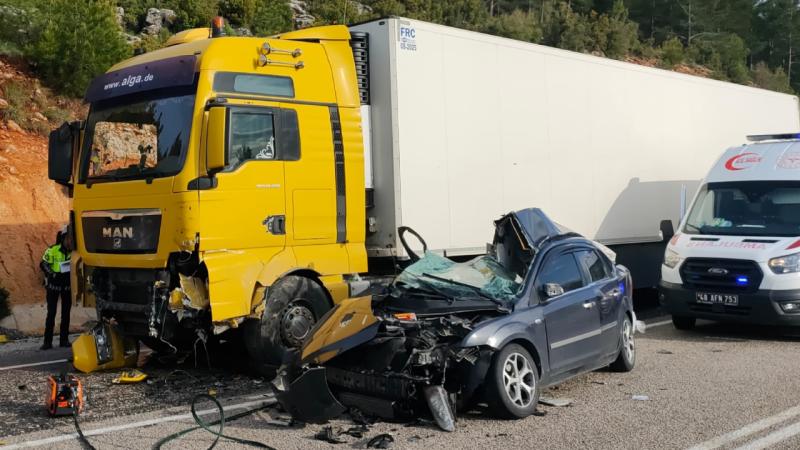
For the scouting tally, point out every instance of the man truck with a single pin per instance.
(242, 182)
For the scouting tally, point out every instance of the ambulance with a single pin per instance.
(736, 255)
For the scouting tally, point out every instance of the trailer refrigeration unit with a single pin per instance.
(246, 182)
(466, 127)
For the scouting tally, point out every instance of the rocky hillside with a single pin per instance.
(32, 208)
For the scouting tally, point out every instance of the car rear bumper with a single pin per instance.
(760, 307)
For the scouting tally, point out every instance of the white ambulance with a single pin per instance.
(736, 255)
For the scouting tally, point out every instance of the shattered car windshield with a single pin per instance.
(482, 277)
(146, 138)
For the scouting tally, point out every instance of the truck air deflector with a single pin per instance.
(338, 156)
(169, 72)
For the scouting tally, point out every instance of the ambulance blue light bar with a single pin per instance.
(772, 137)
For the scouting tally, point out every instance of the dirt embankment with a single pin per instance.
(32, 208)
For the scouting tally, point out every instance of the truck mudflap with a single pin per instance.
(308, 398)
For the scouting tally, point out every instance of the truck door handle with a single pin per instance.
(588, 305)
(275, 224)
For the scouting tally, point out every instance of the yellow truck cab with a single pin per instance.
(218, 183)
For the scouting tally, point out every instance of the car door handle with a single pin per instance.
(588, 305)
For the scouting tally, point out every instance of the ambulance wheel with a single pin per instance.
(293, 306)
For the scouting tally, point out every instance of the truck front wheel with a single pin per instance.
(293, 305)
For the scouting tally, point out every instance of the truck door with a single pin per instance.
(245, 206)
(571, 319)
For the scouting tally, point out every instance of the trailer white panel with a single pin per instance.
(467, 126)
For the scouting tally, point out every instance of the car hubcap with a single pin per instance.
(627, 340)
(296, 324)
(519, 380)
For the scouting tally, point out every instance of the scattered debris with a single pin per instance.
(384, 440)
(22, 387)
(716, 350)
(553, 401)
(539, 412)
(664, 352)
(130, 377)
(598, 382)
(642, 398)
(3, 339)
(330, 435)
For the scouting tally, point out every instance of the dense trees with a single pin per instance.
(744, 41)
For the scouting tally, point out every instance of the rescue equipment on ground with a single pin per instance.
(64, 396)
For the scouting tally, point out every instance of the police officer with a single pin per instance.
(55, 264)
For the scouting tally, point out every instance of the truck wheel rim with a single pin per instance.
(296, 324)
(627, 341)
(519, 380)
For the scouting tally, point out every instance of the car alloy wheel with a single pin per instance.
(628, 344)
(519, 380)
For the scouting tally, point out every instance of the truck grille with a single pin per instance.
(721, 275)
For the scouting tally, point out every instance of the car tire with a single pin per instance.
(293, 305)
(683, 323)
(626, 358)
(512, 369)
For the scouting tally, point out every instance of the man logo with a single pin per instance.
(718, 271)
(118, 232)
(117, 244)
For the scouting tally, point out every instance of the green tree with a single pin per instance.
(238, 12)
(271, 17)
(672, 52)
(566, 29)
(774, 80)
(519, 25)
(614, 34)
(195, 13)
(61, 54)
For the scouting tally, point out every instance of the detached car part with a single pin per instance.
(103, 348)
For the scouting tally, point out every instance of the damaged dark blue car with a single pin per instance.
(544, 305)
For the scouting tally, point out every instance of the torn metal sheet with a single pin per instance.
(308, 398)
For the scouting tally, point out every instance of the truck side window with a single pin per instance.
(595, 264)
(252, 136)
(562, 270)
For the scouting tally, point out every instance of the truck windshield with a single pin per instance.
(749, 208)
(142, 137)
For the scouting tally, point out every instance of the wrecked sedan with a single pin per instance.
(545, 304)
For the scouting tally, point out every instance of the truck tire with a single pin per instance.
(512, 384)
(293, 305)
(627, 351)
(683, 323)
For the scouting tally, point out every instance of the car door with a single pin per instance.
(609, 290)
(571, 319)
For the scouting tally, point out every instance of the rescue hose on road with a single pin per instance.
(207, 425)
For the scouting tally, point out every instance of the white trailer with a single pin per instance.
(464, 127)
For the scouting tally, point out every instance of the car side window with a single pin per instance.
(595, 264)
(562, 270)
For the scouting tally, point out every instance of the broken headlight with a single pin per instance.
(785, 264)
(671, 258)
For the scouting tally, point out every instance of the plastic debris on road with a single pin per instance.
(642, 398)
(553, 401)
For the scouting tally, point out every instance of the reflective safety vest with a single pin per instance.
(56, 259)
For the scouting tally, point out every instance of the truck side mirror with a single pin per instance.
(553, 290)
(216, 139)
(60, 149)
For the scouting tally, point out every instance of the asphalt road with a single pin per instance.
(725, 387)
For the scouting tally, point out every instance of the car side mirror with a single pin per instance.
(553, 290)
(216, 139)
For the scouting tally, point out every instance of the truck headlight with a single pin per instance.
(671, 259)
(785, 264)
